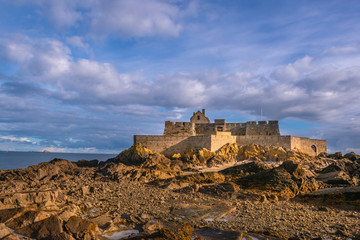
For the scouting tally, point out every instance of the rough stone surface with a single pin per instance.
(279, 194)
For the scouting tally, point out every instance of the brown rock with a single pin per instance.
(82, 228)
(69, 211)
(45, 229)
(152, 226)
(12, 236)
(4, 230)
(27, 218)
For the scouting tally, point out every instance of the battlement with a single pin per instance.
(200, 125)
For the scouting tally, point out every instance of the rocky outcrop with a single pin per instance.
(344, 197)
(341, 172)
(145, 195)
(285, 181)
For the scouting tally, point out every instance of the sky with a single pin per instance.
(86, 75)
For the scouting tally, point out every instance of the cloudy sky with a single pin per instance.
(85, 76)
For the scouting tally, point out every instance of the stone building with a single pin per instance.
(201, 133)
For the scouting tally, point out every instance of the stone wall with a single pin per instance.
(262, 128)
(205, 129)
(179, 129)
(220, 139)
(280, 141)
(310, 146)
(168, 145)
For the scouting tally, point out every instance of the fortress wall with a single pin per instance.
(310, 146)
(220, 139)
(281, 141)
(172, 144)
(236, 128)
(179, 129)
(205, 129)
(263, 128)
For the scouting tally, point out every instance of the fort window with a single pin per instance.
(184, 124)
(313, 148)
(220, 129)
(198, 117)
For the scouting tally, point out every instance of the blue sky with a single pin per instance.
(86, 75)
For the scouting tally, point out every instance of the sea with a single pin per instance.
(13, 160)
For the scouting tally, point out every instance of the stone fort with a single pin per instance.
(201, 133)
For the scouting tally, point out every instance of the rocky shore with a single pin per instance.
(239, 192)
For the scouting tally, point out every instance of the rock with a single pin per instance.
(217, 234)
(102, 221)
(4, 230)
(323, 155)
(341, 165)
(86, 163)
(340, 172)
(152, 226)
(135, 155)
(202, 210)
(276, 180)
(245, 169)
(293, 168)
(227, 153)
(69, 211)
(204, 155)
(82, 228)
(45, 229)
(32, 198)
(336, 177)
(223, 190)
(351, 156)
(63, 236)
(157, 161)
(12, 236)
(341, 197)
(180, 233)
(27, 218)
(337, 155)
(263, 153)
(285, 181)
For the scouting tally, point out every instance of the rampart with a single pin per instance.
(201, 133)
(280, 141)
(168, 145)
(220, 125)
(307, 145)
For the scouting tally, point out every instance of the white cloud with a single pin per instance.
(124, 18)
(77, 41)
(135, 18)
(341, 50)
(307, 89)
(17, 139)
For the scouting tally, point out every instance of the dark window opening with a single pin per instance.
(314, 148)
(220, 129)
(198, 117)
(183, 124)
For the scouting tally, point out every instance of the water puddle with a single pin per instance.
(121, 234)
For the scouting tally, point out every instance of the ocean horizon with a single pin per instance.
(15, 159)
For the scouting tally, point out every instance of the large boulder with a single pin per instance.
(46, 229)
(245, 169)
(47, 198)
(4, 230)
(227, 153)
(351, 156)
(82, 228)
(285, 181)
(135, 155)
(340, 197)
(343, 172)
